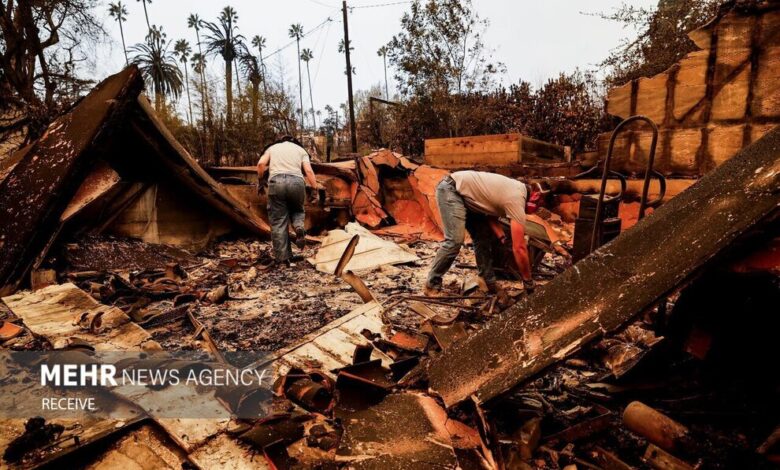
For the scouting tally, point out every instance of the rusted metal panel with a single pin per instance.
(617, 282)
(39, 188)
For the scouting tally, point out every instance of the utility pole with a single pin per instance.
(353, 133)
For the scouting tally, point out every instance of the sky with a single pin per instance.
(535, 39)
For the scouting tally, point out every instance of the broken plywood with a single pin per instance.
(144, 448)
(616, 283)
(332, 346)
(62, 312)
(371, 251)
(227, 453)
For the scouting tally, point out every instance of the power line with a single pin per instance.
(378, 5)
(321, 52)
(323, 4)
(291, 43)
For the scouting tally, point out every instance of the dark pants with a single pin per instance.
(286, 196)
(457, 219)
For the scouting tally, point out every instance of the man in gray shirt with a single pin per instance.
(473, 201)
(287, 162)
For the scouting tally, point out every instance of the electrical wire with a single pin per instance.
(378, 5)
(291, 43)
(321, 52)
(317, 2)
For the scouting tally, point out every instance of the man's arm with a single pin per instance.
(498, 230)
(310, 177)
(262, 167)
(520, 250)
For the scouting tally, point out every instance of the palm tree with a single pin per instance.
(342, 49)
(254, 74)
(183, 50)
(158, 66)
(259, 43)
(193, 21)
(223, 39)
(382, 52)
(306, 56)
(198, 62)
(117, 10)
(146, 13)
(296, 32)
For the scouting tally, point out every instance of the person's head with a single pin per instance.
(289, 138)
(539, 195)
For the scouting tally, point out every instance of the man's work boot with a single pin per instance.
(274, 264)
(432, 291)
(300, 238)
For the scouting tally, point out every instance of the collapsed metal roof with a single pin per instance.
(617, 282)
(39, 188)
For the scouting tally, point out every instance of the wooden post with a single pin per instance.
(353, 133)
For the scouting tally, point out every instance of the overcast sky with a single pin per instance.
(536, 39)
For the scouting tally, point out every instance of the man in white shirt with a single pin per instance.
(287, 162)
(473, 201)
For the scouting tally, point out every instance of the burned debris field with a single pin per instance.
(643, 337)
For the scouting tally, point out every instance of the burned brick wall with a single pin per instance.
(709, 105)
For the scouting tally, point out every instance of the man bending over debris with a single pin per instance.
(473, 201)
(287, 161)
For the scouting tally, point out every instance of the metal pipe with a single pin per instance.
(596, 235)
(650, 171)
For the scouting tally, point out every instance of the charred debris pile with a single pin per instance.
(655, 351)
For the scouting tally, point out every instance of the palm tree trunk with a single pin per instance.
(238, 78)
(311, 97)
(300, 83)
(387, 93)
(262, 75)
(158, 100)
(187, 81)
(255, 100)
(229, 89)
(203, 100)
(203, 97)
(146, 14)
(124, 47)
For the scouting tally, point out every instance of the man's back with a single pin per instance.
(287, 158)
(492, 194)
